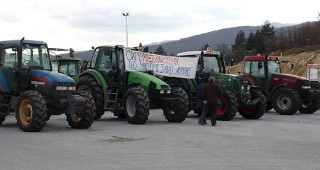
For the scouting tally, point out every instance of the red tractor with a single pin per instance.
(284, 92)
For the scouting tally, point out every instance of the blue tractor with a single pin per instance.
(30, 88)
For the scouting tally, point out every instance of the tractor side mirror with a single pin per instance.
(260, 65)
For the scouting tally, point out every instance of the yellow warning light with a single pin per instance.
(208, 49)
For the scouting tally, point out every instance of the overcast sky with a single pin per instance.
(81, 24)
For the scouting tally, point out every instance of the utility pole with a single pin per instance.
(126, 15)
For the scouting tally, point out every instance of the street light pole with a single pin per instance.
(126, 15)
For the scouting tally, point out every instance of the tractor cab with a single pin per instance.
(18, 67)
(109, 60)
(68, 65)
(259, 69)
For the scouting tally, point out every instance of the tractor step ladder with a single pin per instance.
(111, 101)
(193, 99)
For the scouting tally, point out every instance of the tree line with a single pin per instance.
(267, 39)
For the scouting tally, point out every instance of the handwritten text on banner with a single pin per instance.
(181, 67)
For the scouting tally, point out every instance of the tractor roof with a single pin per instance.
(17, 42)
(260, 58)
(192, 53)
(313, 65)
(65, 59)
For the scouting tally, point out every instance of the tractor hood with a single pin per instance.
(287, 76)
(288, 79)
(49, 77)
(146, 79)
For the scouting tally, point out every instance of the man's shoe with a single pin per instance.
(213, 123)
(201, 122)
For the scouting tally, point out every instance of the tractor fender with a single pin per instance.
(95, 76)
(274, 89)
(99, 78)
(4, 84)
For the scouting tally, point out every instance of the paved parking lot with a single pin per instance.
(272, 142)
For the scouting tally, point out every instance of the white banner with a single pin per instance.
(170, 66)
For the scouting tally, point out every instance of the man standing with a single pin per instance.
(212, 94)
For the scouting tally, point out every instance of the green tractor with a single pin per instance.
(69, 66)
(29, 87)
(239, 95)
(127, 94)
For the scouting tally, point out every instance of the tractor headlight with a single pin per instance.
(242, 87)
(161, 91)
(168, 91)
(305, 87)
(61, 88)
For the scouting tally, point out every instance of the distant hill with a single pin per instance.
(84, 55)
(212, 38)
(225, 36)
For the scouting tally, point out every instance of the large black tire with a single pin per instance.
(137, 105)
(3, 109)
(90, 85)
(256, 111)
(179, 108)
(313, 105)
(229, 107)
(85, 120)
(286, 101)
(31, 111)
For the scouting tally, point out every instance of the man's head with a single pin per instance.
(212, 79)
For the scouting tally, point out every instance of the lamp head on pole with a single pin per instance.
(125, 14)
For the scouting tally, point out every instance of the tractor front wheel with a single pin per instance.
(286, 101)
(90, 85)
(255, 111)
(137, 105)
(179, 108)
(31, 111)
(84, 120)
(229, 107)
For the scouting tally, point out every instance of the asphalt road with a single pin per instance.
(272, 142)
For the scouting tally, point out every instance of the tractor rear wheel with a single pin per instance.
(229, 107)
(4, 109)
(84, 120)
(90, 85)
(286, 101)
(313, 105)
(137, 105)
(256, 111)
(31, 111)
(179, 108)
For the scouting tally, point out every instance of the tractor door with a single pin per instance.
(256, 69)
(121, 72)
(8, 68)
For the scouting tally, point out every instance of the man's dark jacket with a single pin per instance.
(212, 93)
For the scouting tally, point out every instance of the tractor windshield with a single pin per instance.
(70, 68)
(211, 63)
(35, 55)
(274, 67)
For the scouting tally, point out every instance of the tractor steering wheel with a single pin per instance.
(25, 62)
